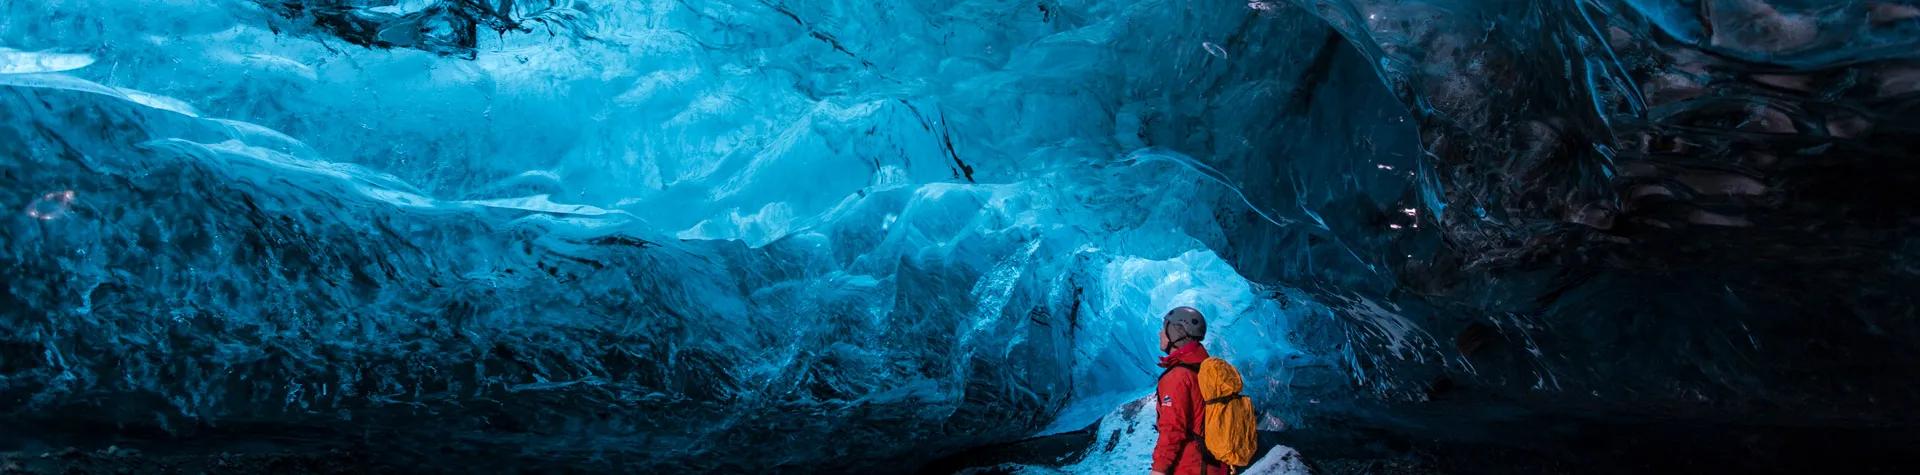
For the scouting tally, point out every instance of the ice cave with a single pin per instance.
(938, 236)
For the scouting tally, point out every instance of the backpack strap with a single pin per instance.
(1206, 456)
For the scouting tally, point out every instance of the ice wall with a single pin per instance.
(661, 232)
(1621, 213)
(678, 232)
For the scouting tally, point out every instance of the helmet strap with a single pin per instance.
(1174, 343)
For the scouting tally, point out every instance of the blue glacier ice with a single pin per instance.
(753, 235)
(668, 232)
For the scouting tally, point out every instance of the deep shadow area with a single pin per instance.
(1582, 448)
(71, 461)
(1593, 448)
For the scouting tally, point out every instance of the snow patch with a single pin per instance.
(1124, 441)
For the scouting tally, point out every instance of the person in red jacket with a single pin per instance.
(1182, 412)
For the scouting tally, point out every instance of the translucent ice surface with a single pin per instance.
(659, 232)
(868, 234)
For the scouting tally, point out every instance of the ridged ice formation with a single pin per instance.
(825, 235)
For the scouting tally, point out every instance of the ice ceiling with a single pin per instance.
(869, 233)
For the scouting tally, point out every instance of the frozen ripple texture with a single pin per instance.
(870, 233)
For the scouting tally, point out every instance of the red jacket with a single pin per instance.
(1182, 412)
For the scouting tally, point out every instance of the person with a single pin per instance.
(1181, 410)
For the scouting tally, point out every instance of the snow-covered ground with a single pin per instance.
(1123, 443)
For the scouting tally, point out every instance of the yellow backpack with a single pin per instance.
(1229, 436)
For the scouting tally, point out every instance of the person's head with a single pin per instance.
(1182, 325)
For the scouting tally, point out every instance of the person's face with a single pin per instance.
(1163, 340)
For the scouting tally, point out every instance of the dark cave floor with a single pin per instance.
(116, 461)
(1323, 455)
(1649, 451)
(1644, 451)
